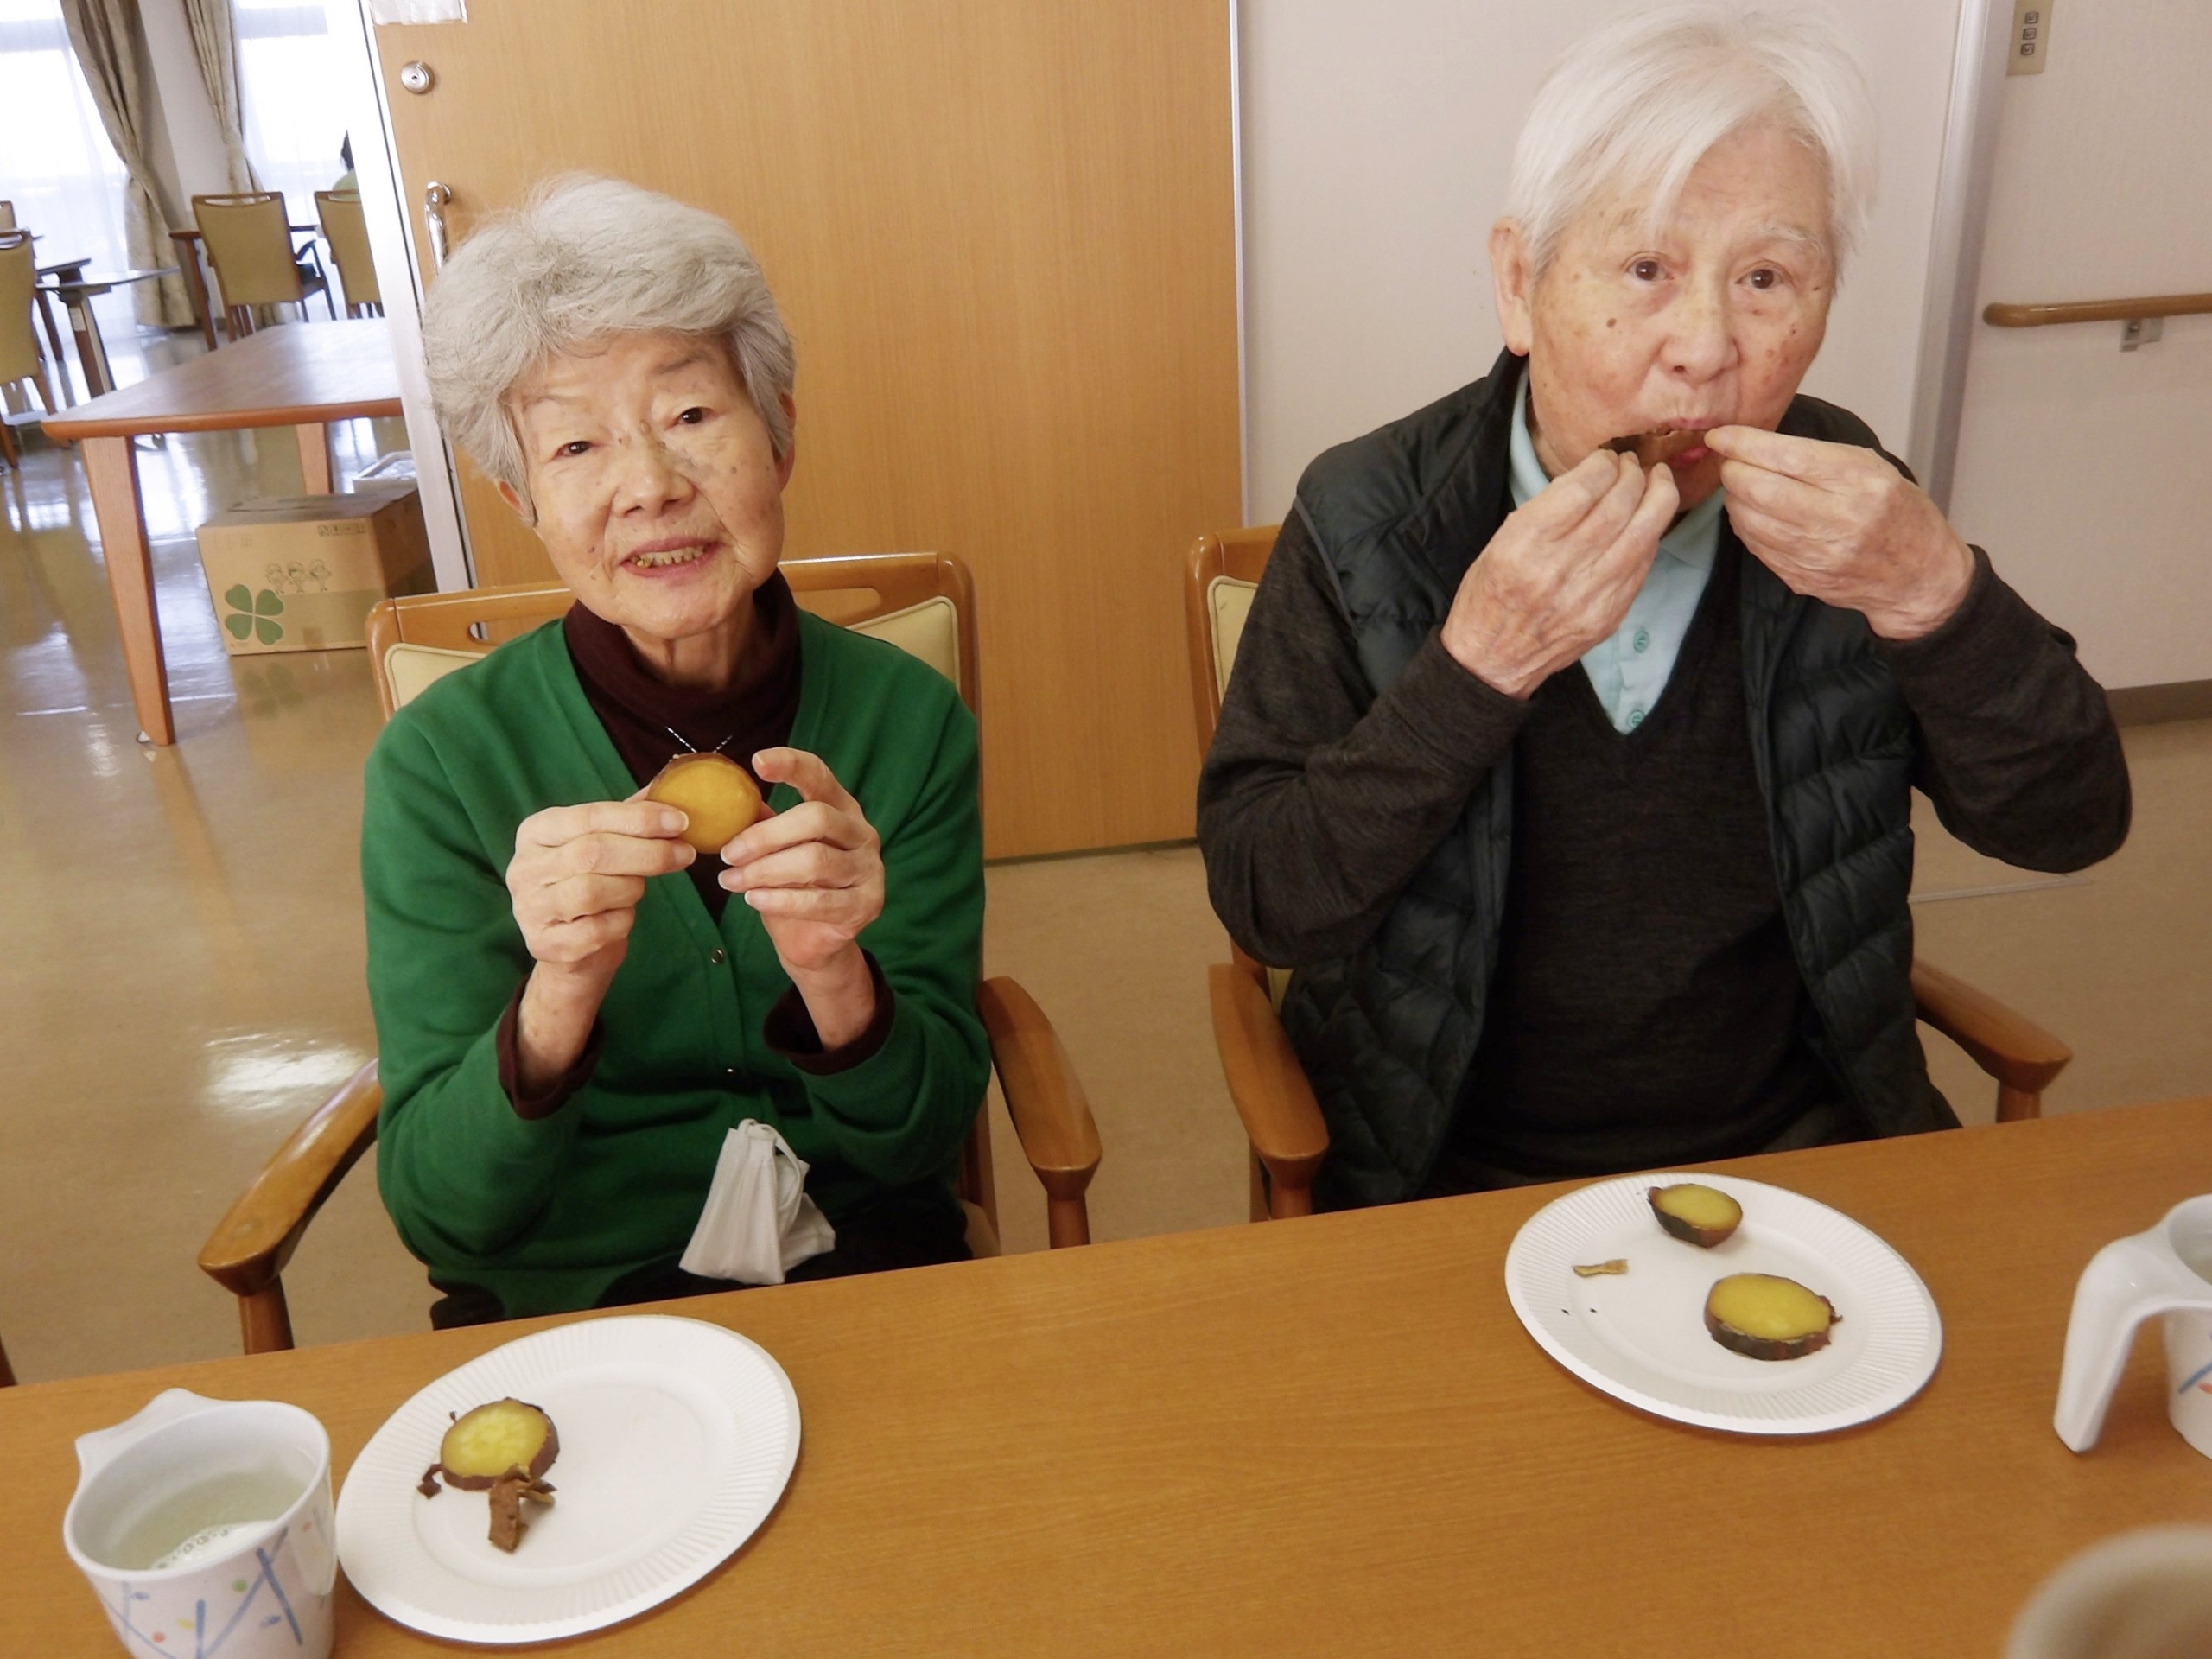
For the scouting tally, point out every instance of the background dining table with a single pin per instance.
(1331, 1436)
(77, 289)
(301, 375)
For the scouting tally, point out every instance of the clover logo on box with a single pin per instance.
(254, 614)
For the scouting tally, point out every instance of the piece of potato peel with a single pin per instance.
(1600, 1269)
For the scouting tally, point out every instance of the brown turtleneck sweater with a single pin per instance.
(650, 722)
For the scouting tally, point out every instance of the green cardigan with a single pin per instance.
(547, 1214)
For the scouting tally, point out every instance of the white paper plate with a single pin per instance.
(1640, 1336)
(676, 1439)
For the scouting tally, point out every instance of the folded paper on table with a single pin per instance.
(757, 1223)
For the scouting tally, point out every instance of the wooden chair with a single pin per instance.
(922, 602)
(20, 357)
(1282, 1118)
(346, 229)
(249, 242)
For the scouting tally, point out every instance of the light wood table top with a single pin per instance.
(292, 375)
(1331, 1436)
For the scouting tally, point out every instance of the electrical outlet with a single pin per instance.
(2030, 37)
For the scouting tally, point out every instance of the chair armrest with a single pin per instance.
(250, 1246)
(2020, 1054)
(1282, 1118)
(1044, 1096)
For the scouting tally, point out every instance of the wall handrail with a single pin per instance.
(2038, 316)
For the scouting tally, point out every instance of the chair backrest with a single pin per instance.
(1219, 580)
(19, 358)
(1224, 569)
(249, 241)
(346, 229)
(923, 603)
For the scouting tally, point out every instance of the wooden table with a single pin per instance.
(59, 270)
(301, 375)
(1331, 1437)
(77, 291)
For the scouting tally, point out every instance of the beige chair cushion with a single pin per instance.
(930, 631)
(1229, 601)
(412, 670)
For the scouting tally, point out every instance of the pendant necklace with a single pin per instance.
(688, 747)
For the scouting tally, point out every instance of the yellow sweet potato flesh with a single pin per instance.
(1764, 1316)
(717, 795)
(494, 1440)
(1702, 1216)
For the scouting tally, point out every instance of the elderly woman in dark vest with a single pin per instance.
(1569, 751)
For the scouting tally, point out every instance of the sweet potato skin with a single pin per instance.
(1649, 448)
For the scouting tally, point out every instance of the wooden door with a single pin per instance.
(1004, 234)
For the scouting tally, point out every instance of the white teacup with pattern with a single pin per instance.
(204, 1528)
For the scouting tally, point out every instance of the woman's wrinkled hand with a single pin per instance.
(1839, 523)
(815, 873)
(577, 874)
(1560, 573)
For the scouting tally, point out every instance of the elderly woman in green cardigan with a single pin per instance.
(574, 1008)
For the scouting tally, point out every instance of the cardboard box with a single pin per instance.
(299, 573)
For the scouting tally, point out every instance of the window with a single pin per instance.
(288, 82)
(56, 164)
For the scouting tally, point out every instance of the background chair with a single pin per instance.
(1281, 1116)
(19, 358)
(250, 244)
(346, 229)
(922, 602)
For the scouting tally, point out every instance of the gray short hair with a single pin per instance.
(1638, 103)
(584, 259)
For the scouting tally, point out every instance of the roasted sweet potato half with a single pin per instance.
(494, 1440)
(716, 794)
(1703, 1216)
(1764, 1316)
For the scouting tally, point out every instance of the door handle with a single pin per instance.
(436, 196)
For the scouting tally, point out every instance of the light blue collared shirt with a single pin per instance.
(1630, 670)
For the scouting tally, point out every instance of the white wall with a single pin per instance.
(187, 144)
(2082, 468)
(1377, 140)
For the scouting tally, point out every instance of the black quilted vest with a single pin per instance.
(1388, 1035)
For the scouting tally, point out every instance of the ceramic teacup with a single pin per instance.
(2165, 1274)
(2143, 1595)
(204, 1525)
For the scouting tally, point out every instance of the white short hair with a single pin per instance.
(1636, 105)
(581, 261)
